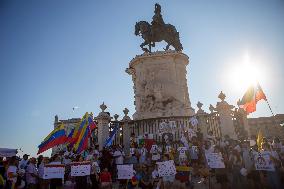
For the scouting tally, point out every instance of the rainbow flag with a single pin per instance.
(84, 133)
(75, 133)
(56, 137)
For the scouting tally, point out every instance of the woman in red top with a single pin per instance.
(105, 179)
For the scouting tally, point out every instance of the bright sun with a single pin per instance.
(245, 74)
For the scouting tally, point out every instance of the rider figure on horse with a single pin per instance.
(157, 22)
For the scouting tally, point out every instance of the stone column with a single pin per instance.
(126, 131)
(201, 116)
(225, 113)
(103, 126)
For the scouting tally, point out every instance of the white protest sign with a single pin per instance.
(80, 169)
(215, 160)
(191, 133)
(125, 171)
(51, 171)
(167, 127)
(166, 168)
(262, 161)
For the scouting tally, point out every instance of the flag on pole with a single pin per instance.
(112, 136)
(56, 137)
(251, 97)
(84, 133)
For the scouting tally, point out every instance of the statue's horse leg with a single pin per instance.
(167, 47)
(142, 46)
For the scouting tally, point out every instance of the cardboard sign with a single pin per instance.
(215, 160)
(125, 171)
(262, 161)
(166, 168)
(51, 171)
(80, 169)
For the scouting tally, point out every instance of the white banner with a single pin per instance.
(125, 171)
(215, 160)
(80, 169)
(166, 168)
(6, 152)
(53, 171)
(262, 161)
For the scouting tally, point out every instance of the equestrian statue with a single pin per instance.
(157, 31)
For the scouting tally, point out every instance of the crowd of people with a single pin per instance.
(238, 157)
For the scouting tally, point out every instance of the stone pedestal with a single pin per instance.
(160, 85)
(103, 126)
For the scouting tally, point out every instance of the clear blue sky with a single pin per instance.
(55, 55)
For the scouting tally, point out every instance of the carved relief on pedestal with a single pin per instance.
(160, 85)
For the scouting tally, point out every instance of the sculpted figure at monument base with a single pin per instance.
(160, 85)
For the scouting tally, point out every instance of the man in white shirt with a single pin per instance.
(119, 156)
(24, 162)
(32, 174)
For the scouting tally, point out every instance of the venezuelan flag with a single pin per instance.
(84, 133)
(56, 137)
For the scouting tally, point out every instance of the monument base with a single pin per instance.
(160, 85)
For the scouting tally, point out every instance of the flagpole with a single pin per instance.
(269, 107)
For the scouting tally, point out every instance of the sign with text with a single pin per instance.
(215, 160)
(80, 169)
(167, 127)
(262, 161)
(166, 168)
(51, 171)
(125, 171)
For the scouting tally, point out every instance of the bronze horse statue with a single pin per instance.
(166, 32)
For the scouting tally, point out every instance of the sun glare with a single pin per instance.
(245, 74)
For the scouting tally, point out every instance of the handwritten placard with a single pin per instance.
(167, 127)
(215, 160)
(125, 171)
(80, 169)
(262, 161)
(166, 168)
(51, 171)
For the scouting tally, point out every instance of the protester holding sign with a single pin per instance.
(56, 182)
(80, 171)
(269, 159)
